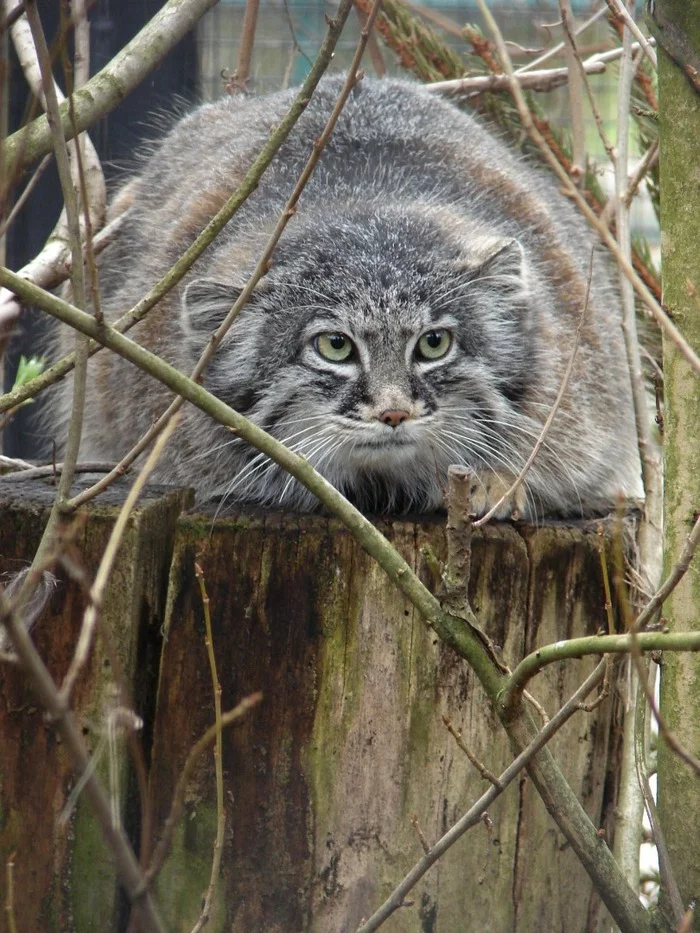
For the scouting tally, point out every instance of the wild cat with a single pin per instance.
(419, 311)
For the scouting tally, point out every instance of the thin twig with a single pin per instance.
(460, 490)
(619, 9)
(51, 469)
(475, 814)
(161, 850)
(245, 52)
(559, 47)
(375, 53)
(675, 576)
(665, 733)
(104, 571)
(648, 161)
(572, 191)
(425, 845)
(53, 264)
(537, 706)
(480, 766)
(550, 417)
(545, 80)
(75, 425)
(576, 80)
(648, 536)
(587, 645)
(649, 530)
(666, 875)
(26, 191)
(218, 758)
(604, 690)
(81, 74)
(260, 270)
(10, 892)
(581, 69)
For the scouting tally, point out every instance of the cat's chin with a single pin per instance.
(381, 454)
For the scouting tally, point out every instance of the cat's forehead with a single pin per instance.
(395, 313)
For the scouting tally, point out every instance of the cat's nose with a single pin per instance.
(393, 417)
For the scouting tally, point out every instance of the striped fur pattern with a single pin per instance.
(419, 231)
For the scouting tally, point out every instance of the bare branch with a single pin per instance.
(52, 264)
(22, 199)
(677, 573)
(193, 756)
(559, 47)
(10, 893)
(245, 53)
(480, 767)
(576, 78)
(581, 68)
(51, 469)
(668, 879)
(545, 80)
(218, 758)
(648, 534)
(619, 9)
(111, 85)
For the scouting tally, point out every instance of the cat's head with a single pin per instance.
(382, 347)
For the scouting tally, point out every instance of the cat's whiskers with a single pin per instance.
(260, 464)
(495, 458)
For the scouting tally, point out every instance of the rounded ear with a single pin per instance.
(204, 306)
(505, 268)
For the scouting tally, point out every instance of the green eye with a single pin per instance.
(434, 344)
(334, 347)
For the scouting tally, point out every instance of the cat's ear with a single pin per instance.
(204, 306)
(502, 264)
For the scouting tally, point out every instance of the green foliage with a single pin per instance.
(27, 370)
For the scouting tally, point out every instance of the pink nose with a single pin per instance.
(393, 417)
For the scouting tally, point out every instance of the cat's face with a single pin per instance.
(380, 380)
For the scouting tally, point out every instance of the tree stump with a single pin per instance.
(324, 777)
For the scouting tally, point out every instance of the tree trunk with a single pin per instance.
(679, 111)
(323, 778)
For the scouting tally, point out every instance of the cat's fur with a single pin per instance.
(416, 217)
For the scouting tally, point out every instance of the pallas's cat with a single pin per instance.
(419, 311)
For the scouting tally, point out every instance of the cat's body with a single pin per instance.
(419, 311)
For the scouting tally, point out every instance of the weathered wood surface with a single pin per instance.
(64, 878)
(324, 776)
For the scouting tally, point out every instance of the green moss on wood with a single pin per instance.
(679, 125)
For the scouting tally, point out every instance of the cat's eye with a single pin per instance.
(334, 347)
(434, 344)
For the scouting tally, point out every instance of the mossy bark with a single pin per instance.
(64, 878)
(679, 104)
(323, 778)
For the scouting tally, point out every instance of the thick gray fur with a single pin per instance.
(415, 218)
